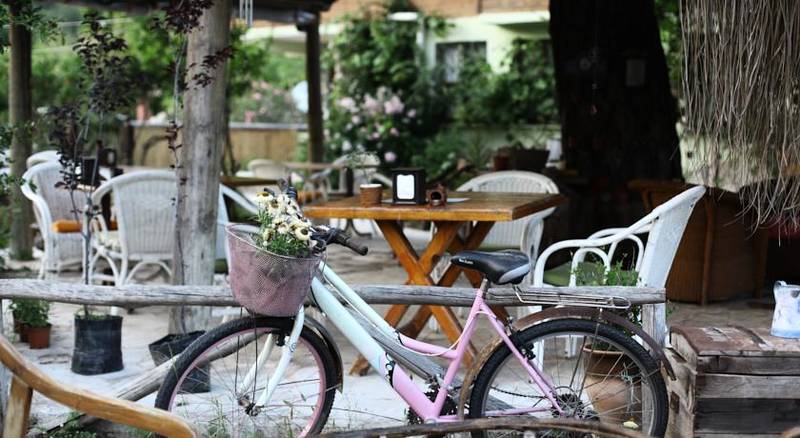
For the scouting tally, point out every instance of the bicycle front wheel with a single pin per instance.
(589, 371)
(218, 386)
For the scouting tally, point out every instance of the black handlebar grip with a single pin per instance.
(344, 240)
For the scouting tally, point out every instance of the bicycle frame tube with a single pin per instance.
(283, 362)
(379, 359)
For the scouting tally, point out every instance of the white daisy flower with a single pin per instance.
(263, 199)
(302, 234)
(284, 229)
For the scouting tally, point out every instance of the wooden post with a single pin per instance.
(199, 167)
(20, 114)
(316, 147)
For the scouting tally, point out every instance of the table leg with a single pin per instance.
(418, 269)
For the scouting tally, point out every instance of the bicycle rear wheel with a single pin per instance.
(216, 386)
(598, 373)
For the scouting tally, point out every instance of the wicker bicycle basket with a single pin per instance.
(263, 282)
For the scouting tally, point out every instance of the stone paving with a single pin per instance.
(366, 400)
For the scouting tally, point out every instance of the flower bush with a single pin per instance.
(268, 103)
(283, 229)
(381, 124)
(382, 101)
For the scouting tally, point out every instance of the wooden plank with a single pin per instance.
(735, 341)
(169, 295)
(754, 365)
(513, 423)
(746, 416)
(478, 206)
(18, 409)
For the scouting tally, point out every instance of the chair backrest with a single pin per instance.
(263, 168)
(668, 222)
(53, 202)
(509, 234)
(41, 157)
(144, 204)
(223, 219)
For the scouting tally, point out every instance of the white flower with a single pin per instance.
(279, 219)
(393, 106)
(263, 199)
(284, 229)
(389, 157)
(347, 103)
(346, 146)
(302, 234)
(267, 234)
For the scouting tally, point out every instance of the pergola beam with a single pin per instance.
(316, 146)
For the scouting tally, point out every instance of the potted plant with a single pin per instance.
(107, 77)
(361, 162)
(615, 398)
(34, 322)
(172, 345)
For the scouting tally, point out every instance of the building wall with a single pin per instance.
(277, 142)
(447, 8)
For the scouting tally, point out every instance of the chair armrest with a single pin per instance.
(592, 245)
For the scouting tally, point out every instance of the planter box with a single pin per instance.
(732, 381)
(719, 257)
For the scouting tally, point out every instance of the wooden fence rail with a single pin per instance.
(169, 295)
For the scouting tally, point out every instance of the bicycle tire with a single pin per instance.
(243, 326)
(529, 336)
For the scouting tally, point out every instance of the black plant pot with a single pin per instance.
(98, 345)
(165, 348)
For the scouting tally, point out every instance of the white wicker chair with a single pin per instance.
(50, 204)
(41, 157)
(222, 216)
(525, 233)
(665, 225)
(144, 207)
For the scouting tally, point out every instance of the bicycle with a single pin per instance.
(256, 392)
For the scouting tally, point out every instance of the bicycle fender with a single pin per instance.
(326, 336)
(601, 315)
(555, 313)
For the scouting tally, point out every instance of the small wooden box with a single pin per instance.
(732, 381)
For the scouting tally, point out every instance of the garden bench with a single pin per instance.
(27, 378)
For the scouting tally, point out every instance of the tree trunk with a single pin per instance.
(617, 112)
(316, 148)
(199, 168)
(20, 112)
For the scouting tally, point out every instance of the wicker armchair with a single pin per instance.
(145, 213)
(51, 205)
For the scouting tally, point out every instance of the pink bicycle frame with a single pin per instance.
(400, 381)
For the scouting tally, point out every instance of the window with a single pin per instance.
(453, 56)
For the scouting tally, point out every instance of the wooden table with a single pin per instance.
(481, 208)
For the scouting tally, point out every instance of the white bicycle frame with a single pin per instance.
(380, 360)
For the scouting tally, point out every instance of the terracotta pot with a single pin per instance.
(370, 194)
(501, 162)
(39, 337)
(615, 400)
(23, 332)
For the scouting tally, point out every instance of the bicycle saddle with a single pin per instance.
(500, 267)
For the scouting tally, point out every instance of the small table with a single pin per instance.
(482, 208)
